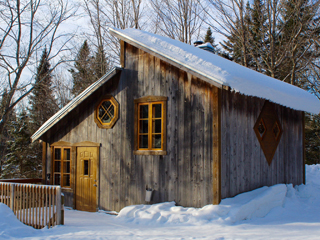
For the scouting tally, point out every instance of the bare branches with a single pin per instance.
(32, 25)
(178, 19)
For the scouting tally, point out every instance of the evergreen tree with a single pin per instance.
(101, 65)
(312, 137)
(42, 105)
(256, 24)
(42, 102)
(20, 161)
(5, 134)
(208, 38)
(83, 74)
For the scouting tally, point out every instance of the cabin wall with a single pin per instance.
(185, 174)
(243, 164)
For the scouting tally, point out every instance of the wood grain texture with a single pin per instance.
(243, 164)
(212, 151)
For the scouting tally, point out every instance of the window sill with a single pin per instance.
(149, 152)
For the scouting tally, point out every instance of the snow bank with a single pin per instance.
(10, 226)
(257, 203)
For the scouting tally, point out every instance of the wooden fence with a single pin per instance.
(34, 205)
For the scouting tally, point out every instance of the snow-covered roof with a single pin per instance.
(219, 71)
(73, 103)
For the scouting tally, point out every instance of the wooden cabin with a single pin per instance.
(179, 120)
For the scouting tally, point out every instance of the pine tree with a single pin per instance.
(256, 24)
(312, 139)
(208, 38)
(42, 102)
(20, 161)
(83, 74)
(101, 65)
(5, 135)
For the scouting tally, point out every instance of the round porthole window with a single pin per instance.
(106, 113)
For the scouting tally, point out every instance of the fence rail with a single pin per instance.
(22, 180)
(34, 205)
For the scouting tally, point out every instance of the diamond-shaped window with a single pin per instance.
(276, 130)
(261, 128)
(106, 113)
(268, 130)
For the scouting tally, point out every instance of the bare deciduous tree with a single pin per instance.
(29, 26)
(178, 19)
(112, 13)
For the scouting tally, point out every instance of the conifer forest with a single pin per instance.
(50, 51)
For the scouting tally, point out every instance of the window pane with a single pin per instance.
(86, 167)
(143, 141)
(66, 180)
(66, 154)
(101, 112)
(106, 118)
(111, 111)
(156, 126)
(57, 153)
(144, 111)
(143, 126)
(66, 167)
(57, 166)
(106, 105)
(56, 179)
(156, 110)
(156, 141)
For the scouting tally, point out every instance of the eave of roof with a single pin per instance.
(74, 103)
(220, 72)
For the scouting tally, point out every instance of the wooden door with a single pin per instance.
(87, 181)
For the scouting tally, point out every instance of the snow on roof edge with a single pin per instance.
(225, 72)
(74, 102)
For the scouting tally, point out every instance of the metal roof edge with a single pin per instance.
(73, 103)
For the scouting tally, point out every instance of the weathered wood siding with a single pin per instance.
(185, 174)
(243, 164)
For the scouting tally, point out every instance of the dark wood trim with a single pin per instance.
(122, 53)
(44, 162)
(23, 180)
(150, 99)
(216, 148)
(304, 148)
(74, 174)
(98, 179)
(149, 152)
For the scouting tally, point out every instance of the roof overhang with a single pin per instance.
(195, 72)
(218, 71)
(74, 103)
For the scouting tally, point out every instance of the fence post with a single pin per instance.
(58, 206)
(62, 209)
(12, 196)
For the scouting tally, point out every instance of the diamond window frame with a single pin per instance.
(269, 141)
(115, 117)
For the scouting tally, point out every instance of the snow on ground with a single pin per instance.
(277, 212)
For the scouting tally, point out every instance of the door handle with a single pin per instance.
(95, 185)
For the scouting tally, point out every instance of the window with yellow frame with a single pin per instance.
(62, 166)
(150, 125)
